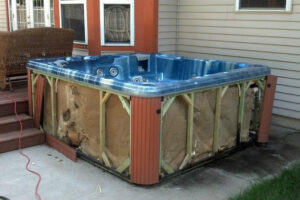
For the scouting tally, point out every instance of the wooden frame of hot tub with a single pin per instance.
(145, 163)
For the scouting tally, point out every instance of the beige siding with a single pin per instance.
(213, 29)
(3, 22)
(80, 52)
(167, 26)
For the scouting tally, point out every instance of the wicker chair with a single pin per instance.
(17, 47)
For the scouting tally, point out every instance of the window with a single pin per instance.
(73, 16)
(281, 5)
(117, 22)
(30, 13)
(52, 13)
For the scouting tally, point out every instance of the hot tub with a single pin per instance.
(145, 117)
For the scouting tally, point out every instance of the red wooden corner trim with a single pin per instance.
(29, 89)
(145, 140)
(7, 15)
(266, 113)
(63, 148)
(39, 101)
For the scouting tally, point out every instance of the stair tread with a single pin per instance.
(13, 119)
(15, 134)
(19, 99)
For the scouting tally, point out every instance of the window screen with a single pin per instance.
(275, 4)
(72, 16)
(117, 23)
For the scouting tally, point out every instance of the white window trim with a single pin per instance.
(85, 17)
(288, 8)
(132, 19)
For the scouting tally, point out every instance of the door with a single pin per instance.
(31, 13)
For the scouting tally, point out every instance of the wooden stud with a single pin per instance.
(35, 79)
(187, 99)
(189, 145)
(256, 111)
(261, 100)
(241, 111)
(48, 79)
(260, 84)
(249, 84)
(167, 105)
(124, 165)
(102, 125)
(106, 160)
(164, 109)
(259, 96)
(217, 120)
(104, 96)
(225, 90)
(167, 168)
(126, 104)
(185, 161)
(53, 107)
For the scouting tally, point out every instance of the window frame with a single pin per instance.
(288, 8)
(64, 2)
(132, 22)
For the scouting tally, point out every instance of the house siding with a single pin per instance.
(3, 20)
(212, 29)
(167, 26)
(80, 52)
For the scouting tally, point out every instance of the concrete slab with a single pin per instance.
(64, 179)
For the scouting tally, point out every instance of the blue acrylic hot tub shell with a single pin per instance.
(158, 74)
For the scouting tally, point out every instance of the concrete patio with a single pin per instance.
(64, 179)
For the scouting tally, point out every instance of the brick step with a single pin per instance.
(10, 123)
(31, 137)
(7, 107)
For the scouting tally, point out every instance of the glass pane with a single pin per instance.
(72, 16)
(38, 13)
(21, 14)
(263, 4)
(52, 13)
(117, 23)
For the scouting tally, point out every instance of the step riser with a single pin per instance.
(15, 126)
(26, 142)
(8, 109)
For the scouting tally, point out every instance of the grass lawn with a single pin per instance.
(285, 186)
